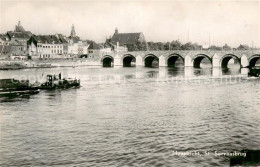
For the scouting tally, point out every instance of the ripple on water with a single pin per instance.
(138, 122)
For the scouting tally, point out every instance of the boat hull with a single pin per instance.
(17, 93)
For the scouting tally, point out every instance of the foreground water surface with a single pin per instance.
(131, 117)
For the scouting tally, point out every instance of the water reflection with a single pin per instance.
(117, 75)
(123, 116)
(244, 71)
(231, 71)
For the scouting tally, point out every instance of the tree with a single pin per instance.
(226, 47)
(167, 46)
(243, 47)
(176, 45)
(213, 47)
(187, 46)
(141, 46)
(160, 45)
(197, 47)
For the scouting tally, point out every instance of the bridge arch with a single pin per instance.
(225, 59)
(172, 58)
(253, 60)
(150, 60)
(128, 60)
(107, 61)
(198, 58)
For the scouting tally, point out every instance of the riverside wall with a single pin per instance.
(75, 62)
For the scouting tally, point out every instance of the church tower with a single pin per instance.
(19, 27)
(116, 30)
(72, 33)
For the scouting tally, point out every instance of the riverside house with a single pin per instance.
(45, 47)
(5, 48)
(76, 47)
(18, 41)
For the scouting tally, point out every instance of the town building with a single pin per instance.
(76, 46)
(45, 47)
(65, 41)
(5, 48)
(95, 49)
(122, 41)
(4, 40)
(18, 41)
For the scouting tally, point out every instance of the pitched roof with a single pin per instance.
(125, 38)
(87, 41)
(19, 28)
(62, 38)
(25, 34)
(94, 45)
(19, 42)
(3, 37)
(47, 39)
(74, 39)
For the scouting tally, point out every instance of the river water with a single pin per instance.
(131, 117)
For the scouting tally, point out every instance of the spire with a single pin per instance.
(19, 27)
(116, 31)
(72, 33)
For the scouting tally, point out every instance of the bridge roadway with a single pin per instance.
(246, 58)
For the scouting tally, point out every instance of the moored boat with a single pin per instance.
(15, 88)
(57, 82)
(14, 66)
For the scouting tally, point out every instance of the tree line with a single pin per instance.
(176, 45)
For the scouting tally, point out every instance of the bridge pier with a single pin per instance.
(188, 61)
(118, 61)
(216, 71)
(162, 61)
(139, 61)
(244, 71)
(244, 61)
(188, 71)
(215, 61)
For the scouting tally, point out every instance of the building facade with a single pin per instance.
(18, 41)
(45, 47)
(76, 46)
(120, 42)
(5, 48)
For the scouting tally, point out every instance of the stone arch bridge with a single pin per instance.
(246, 58)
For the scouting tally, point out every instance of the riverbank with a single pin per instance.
(48, 63)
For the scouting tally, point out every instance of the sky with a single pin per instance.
(214, 22)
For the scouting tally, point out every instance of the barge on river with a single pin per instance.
(57, 82)
(16, 88)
